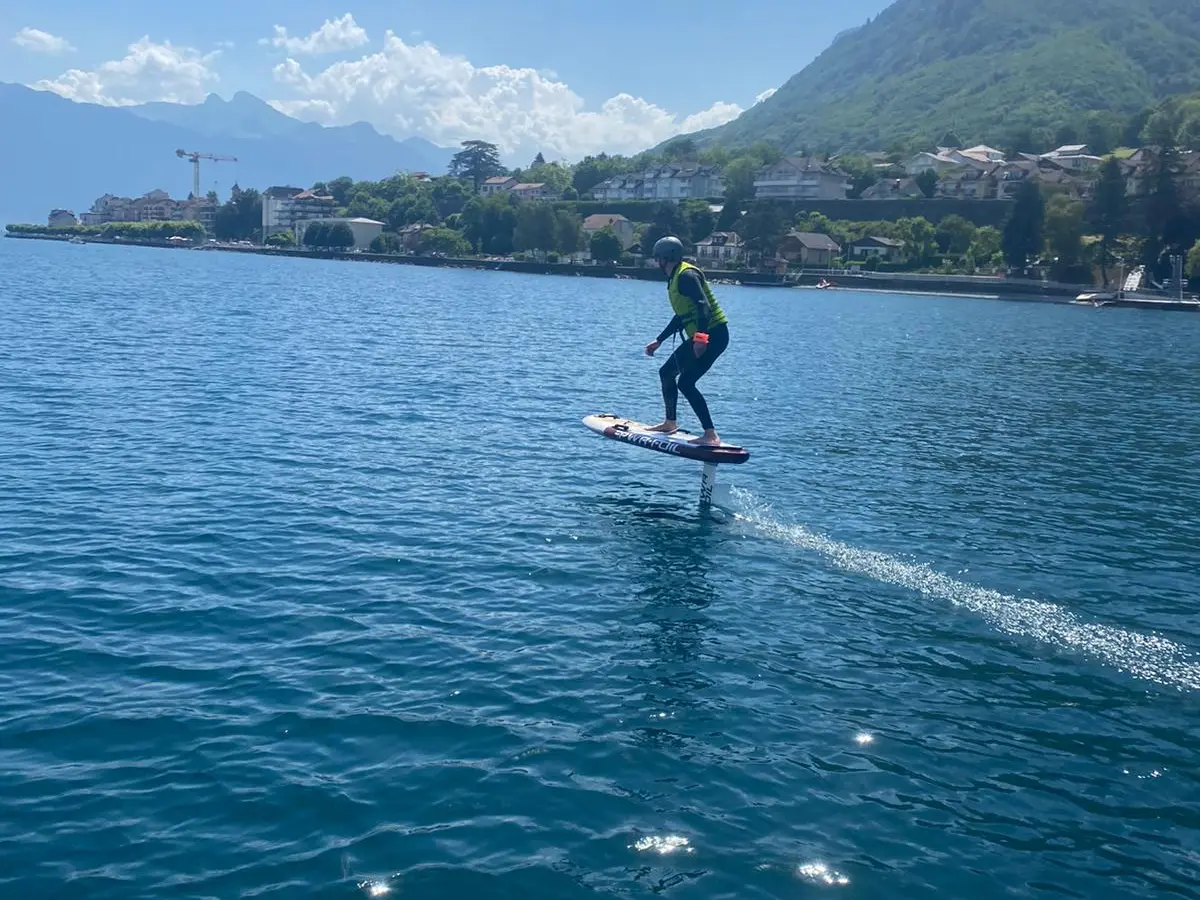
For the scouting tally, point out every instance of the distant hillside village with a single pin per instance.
(974, 173)
(928, 210)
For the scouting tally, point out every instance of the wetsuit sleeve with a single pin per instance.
(690, 287)
(676, 324)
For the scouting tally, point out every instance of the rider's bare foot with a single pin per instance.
(666, 427)
(709, 438)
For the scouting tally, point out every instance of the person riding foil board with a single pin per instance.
(699, 316)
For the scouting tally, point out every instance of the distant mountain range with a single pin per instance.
(59, 153)
(986, 70)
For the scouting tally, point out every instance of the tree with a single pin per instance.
(1021, 141)
(1109, 208)
(986, 246)
(698, 219)
(240, 217)
(605, 246)
(1102, 132)
(592, 170)
(569, 231)
(1023, 231)
(555, 176)
(680, 149)
(385, 243)
(927, 182)
(446, 241)
(954, 234)
(1064, 237)
(1066, 134)
(538, 160)
(1132, 134)
(763, 227)
(1165, 221)
(731, 213)
(951, 141)
(449, 197)
(1193, 263)
(413, 208)
(537, 228)
(739, 180)
(340, 236)
(281, 239)
(478, 160)
(364, 202)
(316, 234)
(668, 219)
(489, 223)
(918, 235)
(861, 170)
(339, 189)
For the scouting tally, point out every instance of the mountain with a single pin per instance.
(245, 116)
(984, 69)
(67, 154)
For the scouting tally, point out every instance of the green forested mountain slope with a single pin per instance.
(986, 70)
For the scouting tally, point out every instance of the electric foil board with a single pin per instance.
(676, 444)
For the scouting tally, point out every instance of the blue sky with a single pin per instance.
(567, 77)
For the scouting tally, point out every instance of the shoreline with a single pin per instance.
(914, 284)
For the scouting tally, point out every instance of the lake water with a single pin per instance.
(314, 585)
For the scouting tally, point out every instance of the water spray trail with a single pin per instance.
(1144, 656)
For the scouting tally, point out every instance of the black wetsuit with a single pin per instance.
(684, 362)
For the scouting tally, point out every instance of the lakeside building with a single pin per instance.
(801, 178)
(618, 224)
(667, 182)
(290, 208)
(153, 206)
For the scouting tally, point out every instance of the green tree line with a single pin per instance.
(143, 231)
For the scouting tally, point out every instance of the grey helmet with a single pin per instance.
(668, 249)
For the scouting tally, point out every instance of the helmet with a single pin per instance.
(668, 249)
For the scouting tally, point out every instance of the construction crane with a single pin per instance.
(195, 157)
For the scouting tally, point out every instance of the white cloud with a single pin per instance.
(717, 114)
(765, 95)
(409, 89)
(41, 41)
(149, 72)
(332, 36)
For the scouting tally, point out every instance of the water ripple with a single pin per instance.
(314, 585)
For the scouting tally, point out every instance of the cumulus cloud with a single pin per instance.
(409, 89)
(332, 36)
(717, 114)
(149, 72)
(765, 95)
(41, 41)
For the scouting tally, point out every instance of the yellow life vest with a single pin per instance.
(686, 308)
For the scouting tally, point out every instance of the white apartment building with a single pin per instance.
(286, 208)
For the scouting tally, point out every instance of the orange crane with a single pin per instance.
(195, 157)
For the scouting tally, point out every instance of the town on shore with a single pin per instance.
(1129, 218)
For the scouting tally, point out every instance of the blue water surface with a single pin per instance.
(314, 585)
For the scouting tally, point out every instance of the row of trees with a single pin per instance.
(1163, 221)
(323, 235)
(1045, 226)
(140, 231)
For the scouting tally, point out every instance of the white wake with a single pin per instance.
(1144, 656)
